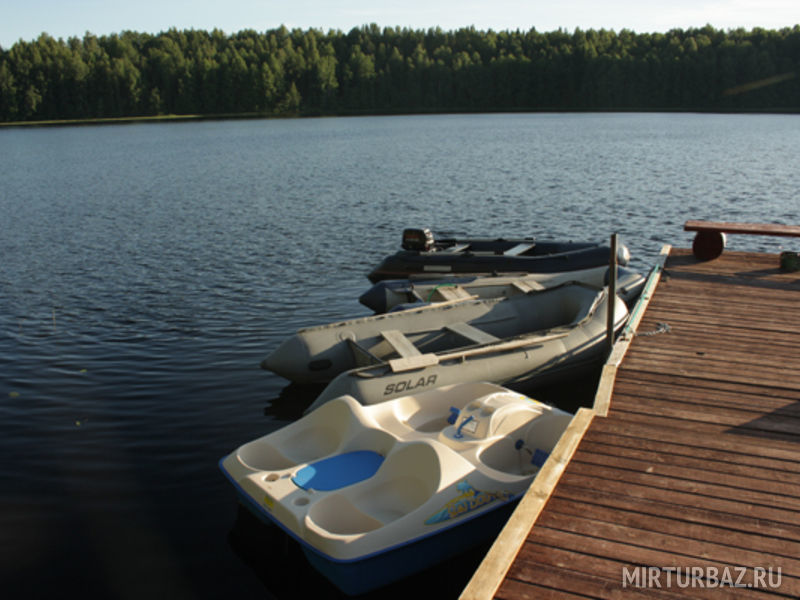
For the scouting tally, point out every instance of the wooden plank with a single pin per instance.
(669, 387)
(518, 590)
(700, 309)
(782, 505)
(782, 553)
(772, 535)
(704, 403)
(605, 575)
(682, 353)
(732, 509)
(471, 333)
(679, 545)
(400, 343)
(732, 262)
(666, 468)
(400, 365)
(690, 385)
(713, 370)
(698, 291)
(632, 555)
(710, 437)
(683, 326)
(769, 471)
(718, 322)
(523, 287)
(718, 459)
(693, 431)
(451, 293)
(694, 416)
(705, 283)
(743, 228)
(491, 571)
(706, 320)
(712, 414)
(543, 574)
(455, 248)
(688, 336)
(605, 387)
(519, 249)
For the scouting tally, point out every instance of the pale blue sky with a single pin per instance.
(26, 19)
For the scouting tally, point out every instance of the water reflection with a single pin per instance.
(279, 563)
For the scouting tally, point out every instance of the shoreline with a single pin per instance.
(172, 118)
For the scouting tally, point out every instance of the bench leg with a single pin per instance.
(708, 245)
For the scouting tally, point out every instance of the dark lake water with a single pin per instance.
(145, 270)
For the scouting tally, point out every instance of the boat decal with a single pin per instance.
(269, 502)
(408, 384)
(470, 499)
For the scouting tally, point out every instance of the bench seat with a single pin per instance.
(709, 241)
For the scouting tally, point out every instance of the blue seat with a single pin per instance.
(338, 471)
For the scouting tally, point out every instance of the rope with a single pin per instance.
(660, 328)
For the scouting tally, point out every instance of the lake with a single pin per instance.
(145, 271)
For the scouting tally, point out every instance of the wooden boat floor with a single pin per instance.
(697, 463)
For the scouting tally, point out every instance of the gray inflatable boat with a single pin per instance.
(536, 339)
(539, 335)
(418, 289)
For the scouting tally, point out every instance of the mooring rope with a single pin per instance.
(660, 328)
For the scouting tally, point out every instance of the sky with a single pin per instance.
(26, 19)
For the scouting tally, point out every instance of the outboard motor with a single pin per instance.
(420, 240)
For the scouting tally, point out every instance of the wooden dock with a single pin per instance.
(694, 474)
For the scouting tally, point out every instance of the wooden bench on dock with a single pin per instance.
(709, 241)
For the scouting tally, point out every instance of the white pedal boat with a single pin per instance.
(376, 493)
(563, 324)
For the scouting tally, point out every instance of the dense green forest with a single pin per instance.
(374, 70)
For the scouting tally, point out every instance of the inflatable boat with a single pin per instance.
(376, 493)
(540, 335)
(396, 294)
(538, 339)
(422, 253)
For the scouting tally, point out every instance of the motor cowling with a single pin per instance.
(420, 240)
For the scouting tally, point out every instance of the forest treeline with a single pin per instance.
(385, 70)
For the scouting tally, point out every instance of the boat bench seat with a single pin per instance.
(410, 357)
(519, 249)
(527, 286)
(456, 248)
(452, 293)
(473, 334)
(709, 243)
(402, 345)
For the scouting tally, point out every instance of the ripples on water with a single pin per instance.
(147, 269)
